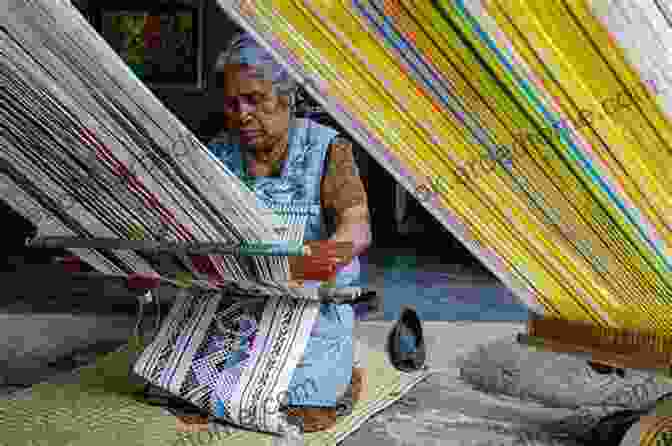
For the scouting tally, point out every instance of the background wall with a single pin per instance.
(200, 111)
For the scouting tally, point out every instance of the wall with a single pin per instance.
(200, 111)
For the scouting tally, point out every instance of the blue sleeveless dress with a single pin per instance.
(326, 368)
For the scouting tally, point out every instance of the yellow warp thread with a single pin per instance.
(553, 227)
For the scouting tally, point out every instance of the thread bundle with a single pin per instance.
(577, 220)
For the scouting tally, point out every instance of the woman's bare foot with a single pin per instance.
(315, 419)
(192, 423)
(358, 383)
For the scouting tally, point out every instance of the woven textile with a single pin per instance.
(245, 384)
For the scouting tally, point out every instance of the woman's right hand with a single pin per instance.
(322, 263)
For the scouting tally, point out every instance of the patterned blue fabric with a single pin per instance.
(328, 358)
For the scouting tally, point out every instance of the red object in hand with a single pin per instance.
(326, 256)
(138, 281)
(315, 271)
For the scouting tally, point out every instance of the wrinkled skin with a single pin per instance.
(251, 104)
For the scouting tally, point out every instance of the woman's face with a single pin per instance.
(252, 109)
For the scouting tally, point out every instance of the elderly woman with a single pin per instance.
(298, 164)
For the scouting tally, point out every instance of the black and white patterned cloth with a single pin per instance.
(228, 359)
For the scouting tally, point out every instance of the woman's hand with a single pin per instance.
(325, 259)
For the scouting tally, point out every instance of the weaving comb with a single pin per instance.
(614, 347)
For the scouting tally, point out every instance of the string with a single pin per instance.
(576, 219)
(104, 158)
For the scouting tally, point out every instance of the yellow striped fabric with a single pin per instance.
(547, 144)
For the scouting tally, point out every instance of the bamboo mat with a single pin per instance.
(527, 128)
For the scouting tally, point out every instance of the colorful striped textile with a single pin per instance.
(538, 133)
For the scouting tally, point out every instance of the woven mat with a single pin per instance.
(98, 409)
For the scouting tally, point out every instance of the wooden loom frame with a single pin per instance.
(620, 348)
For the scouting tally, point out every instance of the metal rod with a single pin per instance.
(326, 295)
(280, 248)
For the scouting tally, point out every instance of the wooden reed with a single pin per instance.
(611, 346)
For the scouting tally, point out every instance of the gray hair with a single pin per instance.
(243, 49)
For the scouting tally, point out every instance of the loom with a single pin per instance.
(563, 217)
(575, 221)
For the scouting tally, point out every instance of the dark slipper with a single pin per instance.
(406, 342)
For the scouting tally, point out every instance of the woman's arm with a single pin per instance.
(344, 195)
(353, 225)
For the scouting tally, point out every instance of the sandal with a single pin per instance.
(406, 342)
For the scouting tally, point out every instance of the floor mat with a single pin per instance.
(99, 409)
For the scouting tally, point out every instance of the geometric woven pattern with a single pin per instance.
(220, 356)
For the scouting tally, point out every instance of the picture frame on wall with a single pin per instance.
(161, 41)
